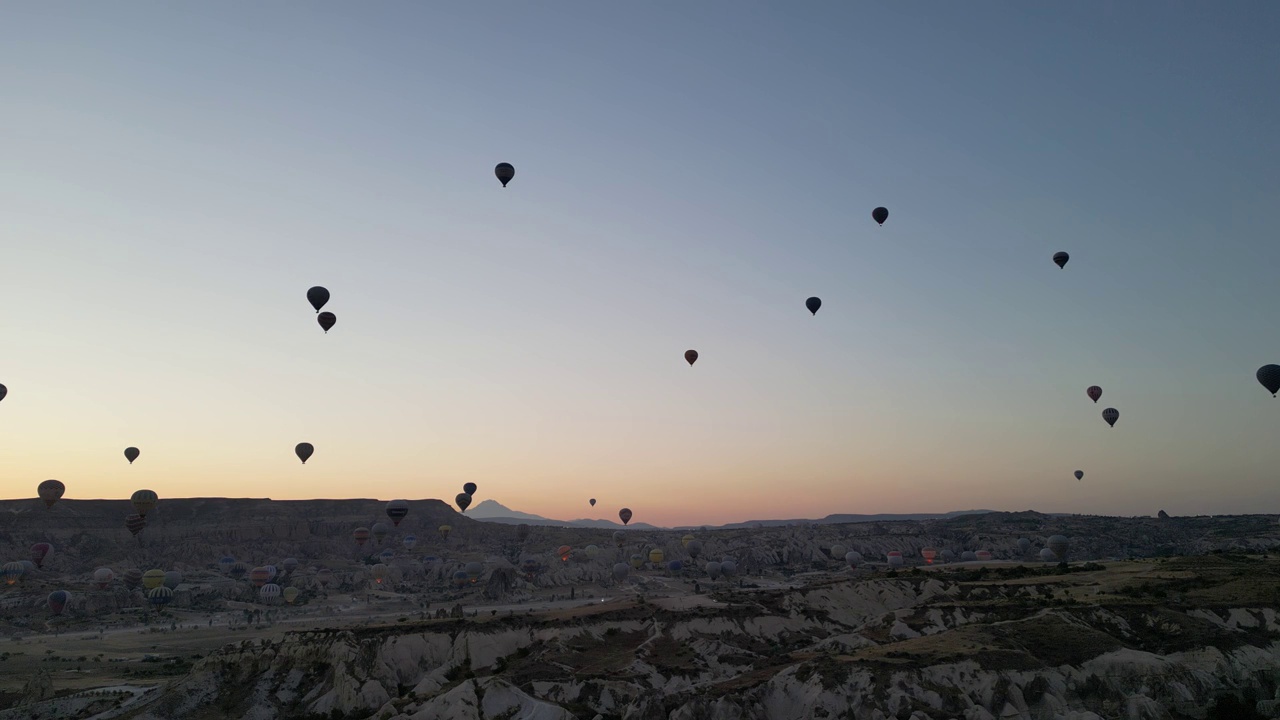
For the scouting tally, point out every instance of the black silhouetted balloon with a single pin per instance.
(327, 321)
(469, 488)
(1061, 259)
(691, 356)
(880, 215)
(1111, 415)
(463, 501)
(3, 391)
(135, 523)
(1268, 375)
(304, 451)
(131, 454)
(505, 171)
(624, 515)
(813, 304)
(317, 296)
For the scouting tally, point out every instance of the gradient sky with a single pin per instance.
(174, 176)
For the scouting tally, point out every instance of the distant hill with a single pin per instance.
(494, 511)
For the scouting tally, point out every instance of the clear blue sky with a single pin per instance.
(174, 176)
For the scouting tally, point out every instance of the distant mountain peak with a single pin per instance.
(493, 509)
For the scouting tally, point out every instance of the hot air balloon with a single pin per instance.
(1268, 375)
(260, 576)
(1058, 544)
(289, 565)
(304, 451)
(131, 454)
(968, 556)
(50, 491)
(396, 510)
(132, 578)
(728, 567)
(159, 596)
(444, 531)
(691, 356)
(853, 558)
(152, 578)
(1094, 392)
(684, 541)
(592, 501)
(327, 320)
(522, 532)
(1047, 555)
(239, 570)
(380, 531)
(620, 571)
(838, 550)
(694, 548)
(410, 541)
(463, 501)
(317, 296)
(12, 571)
(655, 556)
(1111, 415)
(144, 501)
(504, 172)
(713, 569)
(1024, 544)
(929, 554)
(895, 558)
(813, 304)
(983, 555)
(361, 535)
(1061, 258)
(324, 576)
(625, 515)
(469, 488)
(290, 594)
(675, 566)
(134, 524)
(58, 600)
(102, 577)
(1079, 474)
(880, 215)
(3, 391)
(172, 579)
(592, 551)
(563, 551)
(379, 573)
(474, 570)
(637, 560)
(619, 537)
(269, 594)
(39, 552)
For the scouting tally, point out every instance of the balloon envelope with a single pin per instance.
(397, 510)
(3, 391)
(1079, 474)
(131, 454)
(625, 515)
(144, 501)
(880, 215)
(813, 304)
(463, 501)
(317, 296)
(691, 356)
(469, 488)
(1111, 415)
(504, 173)
(1060, 259)
(592, 501)
(327, 320)
(1094, 392)
(50, 491)
(1268, 375)
(304, 451)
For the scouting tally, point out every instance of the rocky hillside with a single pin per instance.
(1154, 639)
